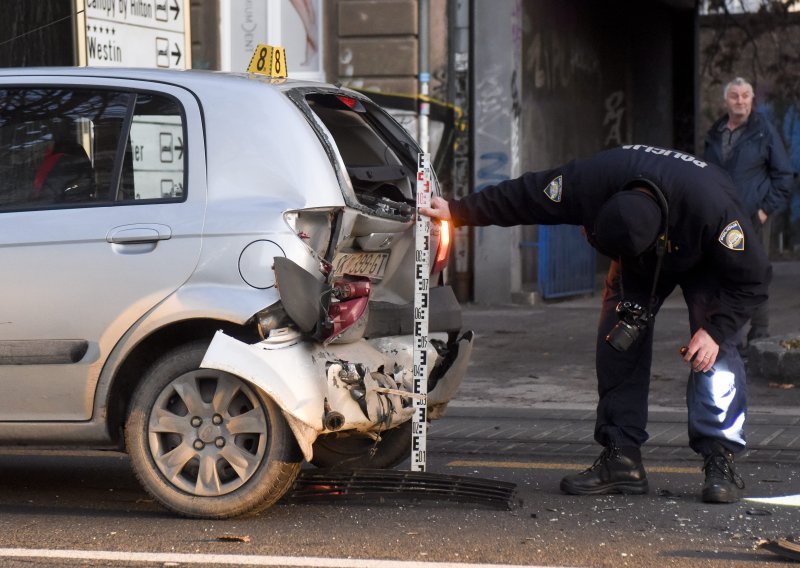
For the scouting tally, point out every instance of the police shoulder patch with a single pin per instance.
(553, 190)
(732, 236)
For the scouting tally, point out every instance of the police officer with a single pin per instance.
(665, 218)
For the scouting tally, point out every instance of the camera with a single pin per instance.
(633, 320)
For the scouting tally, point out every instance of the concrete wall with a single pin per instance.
(36, 43)
(594, 75)
(205, 34)
(373, 44)
(598, 74)
(496, 127)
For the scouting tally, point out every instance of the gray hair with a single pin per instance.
(737, 82)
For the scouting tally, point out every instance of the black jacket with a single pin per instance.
(705, 217)
(758, 164)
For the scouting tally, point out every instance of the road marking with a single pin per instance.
(61, 452)
(786, 500)
(239, 559)
(569, 466)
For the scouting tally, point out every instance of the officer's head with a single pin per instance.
(628, 223)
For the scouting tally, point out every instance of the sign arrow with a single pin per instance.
(179, 147)
(177, 53)
(175, 9)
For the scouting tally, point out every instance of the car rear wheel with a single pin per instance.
(353, 452)
(205, 443)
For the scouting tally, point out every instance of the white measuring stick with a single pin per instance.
(422, 253)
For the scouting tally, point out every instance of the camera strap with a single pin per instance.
(652, 298)
(661, 241)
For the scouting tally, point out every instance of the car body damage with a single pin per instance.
(361, 387)
(256, 304)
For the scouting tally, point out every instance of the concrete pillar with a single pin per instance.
(496, 92)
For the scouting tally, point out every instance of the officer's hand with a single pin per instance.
(762, 216)
(704, 350)
(439, 209)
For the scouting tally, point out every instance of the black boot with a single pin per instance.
(723, 484)
(615, 471)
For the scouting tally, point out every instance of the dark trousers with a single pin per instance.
(716, 405)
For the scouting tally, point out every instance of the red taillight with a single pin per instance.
(349, 101)
(443, 250)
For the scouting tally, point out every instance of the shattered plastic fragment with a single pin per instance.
(233, 538)
(759, 512)
(788, 547)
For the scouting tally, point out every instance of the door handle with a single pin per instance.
(139, 233)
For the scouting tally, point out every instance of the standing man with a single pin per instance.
(749, 148)
(665, 218)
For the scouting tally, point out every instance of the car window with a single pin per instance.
(70, 147)
(379, 158)
(153, 165)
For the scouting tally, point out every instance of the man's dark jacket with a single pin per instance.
(758, 164)
(708, 226)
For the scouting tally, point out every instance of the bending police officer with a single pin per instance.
(665, 218)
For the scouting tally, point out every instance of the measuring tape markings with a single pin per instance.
(421, 301)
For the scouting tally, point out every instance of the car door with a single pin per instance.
(102, 197)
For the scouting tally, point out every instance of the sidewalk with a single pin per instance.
(542, 356)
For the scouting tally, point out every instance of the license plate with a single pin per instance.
(371, 264)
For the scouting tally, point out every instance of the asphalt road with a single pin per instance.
(90, 502)
(524, 415)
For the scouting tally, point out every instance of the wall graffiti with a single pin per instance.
(492, 169)
(615, 109)
(491, 103)
(555, 61)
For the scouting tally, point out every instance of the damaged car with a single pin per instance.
(215, 273)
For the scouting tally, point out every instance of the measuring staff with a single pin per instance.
(422, 255)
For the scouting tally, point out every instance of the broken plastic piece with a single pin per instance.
(321, 484)
(788, 547)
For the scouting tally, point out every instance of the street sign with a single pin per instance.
(134, 33)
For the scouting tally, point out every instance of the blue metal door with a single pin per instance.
(567, 264)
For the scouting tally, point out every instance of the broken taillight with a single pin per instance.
(443, 250)
(352, 299)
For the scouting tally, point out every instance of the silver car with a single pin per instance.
(214, 272)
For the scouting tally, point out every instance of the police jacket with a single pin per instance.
(758, 164)
(707, 223)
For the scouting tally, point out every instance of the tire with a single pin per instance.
(354, 452)
(205, 443)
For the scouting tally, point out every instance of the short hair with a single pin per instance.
(737, 82)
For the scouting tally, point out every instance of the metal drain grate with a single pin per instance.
(328, 485)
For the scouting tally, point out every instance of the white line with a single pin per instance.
(238, 559)
(786, 500)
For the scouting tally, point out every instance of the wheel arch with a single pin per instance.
(131, 371)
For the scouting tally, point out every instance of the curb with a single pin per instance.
(775, 359)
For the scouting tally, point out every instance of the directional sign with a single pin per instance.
(134, 33)
(157, 146)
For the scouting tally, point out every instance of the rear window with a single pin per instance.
(378, 154)
(73, 147)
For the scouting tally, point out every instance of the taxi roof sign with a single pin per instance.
(268, 60)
